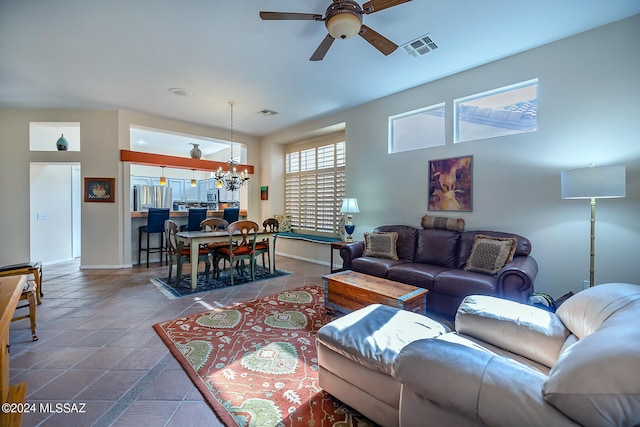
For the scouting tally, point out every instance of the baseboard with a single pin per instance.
(104, 267)
(314, 261)
(58, 261)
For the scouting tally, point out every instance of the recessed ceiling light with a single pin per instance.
(141, 141)
(267, 112)
(178, 91)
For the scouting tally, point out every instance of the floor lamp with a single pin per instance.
(592, 183)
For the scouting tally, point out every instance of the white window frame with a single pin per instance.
(315, 184)
(496, 113)
(415, 130)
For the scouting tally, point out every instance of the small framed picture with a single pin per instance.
(99, 190)
(450, 184)
(264, 192)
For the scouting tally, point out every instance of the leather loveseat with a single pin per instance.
(435, 259)
(506, 364)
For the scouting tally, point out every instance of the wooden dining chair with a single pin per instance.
(241, 246)
(177, 251)
(272, 225)
(214, 224)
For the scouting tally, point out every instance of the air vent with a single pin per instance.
(420, 46)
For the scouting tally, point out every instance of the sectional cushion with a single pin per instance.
(522, 329)
(437, 247)
(406, 244)
(594, 380)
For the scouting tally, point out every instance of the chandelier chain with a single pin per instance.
(231, 180)
(231, 108)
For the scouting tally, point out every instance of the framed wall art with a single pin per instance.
(99, 190)
(450, 184)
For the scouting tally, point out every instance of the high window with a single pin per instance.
(423, 128)
(315, 184)
(504, 111)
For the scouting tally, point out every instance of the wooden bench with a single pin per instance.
(34, 268)
(10, 290)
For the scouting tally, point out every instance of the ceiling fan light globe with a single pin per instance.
(343, 26)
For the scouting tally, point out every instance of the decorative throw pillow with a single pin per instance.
(454, 224)
(284, 223)
(490, 254)
(381, 245)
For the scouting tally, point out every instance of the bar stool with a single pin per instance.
(155, 225)
(231, 214)
(196, 216)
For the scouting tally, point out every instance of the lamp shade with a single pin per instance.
(349, 206)
(592, 182)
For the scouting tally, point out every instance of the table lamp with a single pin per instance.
(349, 206)
(592, 183)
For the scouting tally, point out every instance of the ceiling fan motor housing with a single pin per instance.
(343, 19)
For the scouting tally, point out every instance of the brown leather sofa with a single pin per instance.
(434, 259)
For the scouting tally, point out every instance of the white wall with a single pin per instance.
(589, 94)
(105, 227)
(588, 106)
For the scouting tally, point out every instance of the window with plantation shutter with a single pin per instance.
(315, 184)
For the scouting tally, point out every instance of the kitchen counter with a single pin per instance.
(179, 214)
(139, 219)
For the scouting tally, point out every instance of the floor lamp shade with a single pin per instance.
(592, 183)
(601, 182)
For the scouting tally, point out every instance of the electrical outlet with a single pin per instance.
(585, 284)
(41, 216)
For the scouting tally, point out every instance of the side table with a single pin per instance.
(336, 246)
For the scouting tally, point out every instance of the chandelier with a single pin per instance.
(231, 180)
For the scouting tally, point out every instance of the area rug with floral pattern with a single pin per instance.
(256, 362)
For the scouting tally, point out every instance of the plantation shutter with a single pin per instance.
(315, 184)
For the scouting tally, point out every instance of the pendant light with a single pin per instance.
(163, 180)
(194, 183)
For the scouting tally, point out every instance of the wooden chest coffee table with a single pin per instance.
(348, 290)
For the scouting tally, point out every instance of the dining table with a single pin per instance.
(196, 238)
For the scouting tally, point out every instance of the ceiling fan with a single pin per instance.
(343, 20)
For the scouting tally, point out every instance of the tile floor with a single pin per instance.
(98, 353)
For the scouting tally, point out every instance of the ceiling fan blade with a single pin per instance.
(380, 42)
(378, 5)
(289, 16)
(322, 50)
